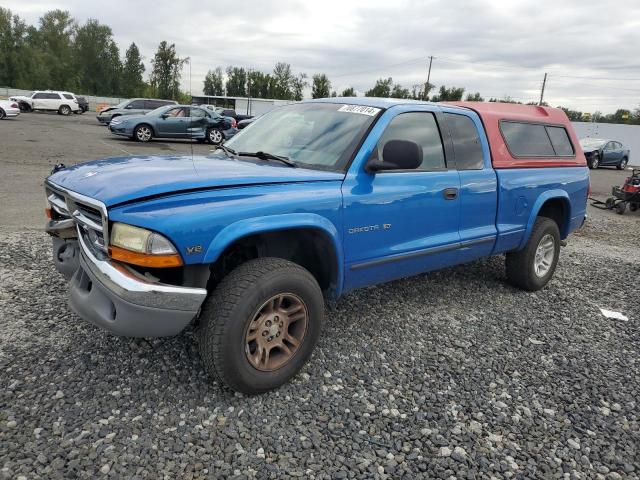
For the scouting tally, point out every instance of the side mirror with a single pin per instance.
(397, 155)
(164, 116)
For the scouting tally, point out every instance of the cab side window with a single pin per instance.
(136, 104)
(40, 96)
(198, 113)
(466, 142)
(421, 128)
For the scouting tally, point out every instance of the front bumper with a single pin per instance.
(118, 299)
(12, 112)
(104, 119)
(120, 129)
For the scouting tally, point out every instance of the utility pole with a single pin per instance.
(544, 83)
(188, 59)
(426, 85)
(248, 91)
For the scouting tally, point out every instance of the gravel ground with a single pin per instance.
(451, 374)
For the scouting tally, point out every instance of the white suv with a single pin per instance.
(62, 102)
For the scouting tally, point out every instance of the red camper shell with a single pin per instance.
(528, 136)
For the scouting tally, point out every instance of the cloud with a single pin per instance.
(498, 48)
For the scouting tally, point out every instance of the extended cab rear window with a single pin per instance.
(536, 140)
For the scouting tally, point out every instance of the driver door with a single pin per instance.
(39, 101)
(174, 123)
(609, 154)
(399, 223)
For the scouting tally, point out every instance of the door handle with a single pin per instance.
(450, 193)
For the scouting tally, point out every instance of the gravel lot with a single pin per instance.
(451, 374)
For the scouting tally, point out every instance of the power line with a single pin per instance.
(617, 79)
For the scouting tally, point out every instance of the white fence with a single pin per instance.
(6, 92)
(628, 135)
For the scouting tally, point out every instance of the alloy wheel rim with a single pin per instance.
(544, 255)
(596, 161)
(215, 136)
(144, 134)
(276, 332)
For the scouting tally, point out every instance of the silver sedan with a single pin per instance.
(8, 108)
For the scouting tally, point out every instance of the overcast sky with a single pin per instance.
(590, 49)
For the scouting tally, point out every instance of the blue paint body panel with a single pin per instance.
(124, 179)
(380, 226)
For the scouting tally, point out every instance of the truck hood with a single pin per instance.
(124, 179)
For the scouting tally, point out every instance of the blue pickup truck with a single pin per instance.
(316, 199)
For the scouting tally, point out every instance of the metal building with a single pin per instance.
(242, 105)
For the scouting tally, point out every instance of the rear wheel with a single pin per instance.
(143, 133)
(621, 208)
(633, 207)
(65, 110)
(532, 267)
(214, 136)
(623, 164)
(260, 325)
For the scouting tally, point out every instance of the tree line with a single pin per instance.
(60, 53)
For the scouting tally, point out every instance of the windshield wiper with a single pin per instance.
(230, 152)
(268, 156)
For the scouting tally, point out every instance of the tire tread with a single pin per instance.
(217, 311)
(517, 263)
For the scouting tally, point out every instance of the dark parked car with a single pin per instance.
(227, 112)
(176, 121)
(245, 123)
(601, 152)
(83, 104)
(134, 106)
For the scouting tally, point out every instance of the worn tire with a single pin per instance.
(229, 310)
(143, 133)
(623, 164)
(520, 265)
(215, 136)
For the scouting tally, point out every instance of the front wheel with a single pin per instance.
(260, 325)
(143, 133)
(215, 136)
(623, 164)
(594, 162)
(2, 114)
(532, 267)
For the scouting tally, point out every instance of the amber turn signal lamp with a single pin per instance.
(47, 212)
(145, 259)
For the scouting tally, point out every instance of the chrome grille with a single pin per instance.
(89, 215)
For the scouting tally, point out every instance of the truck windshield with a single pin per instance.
(313, 135)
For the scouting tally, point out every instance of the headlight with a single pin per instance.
(143, 247)
(115, 121)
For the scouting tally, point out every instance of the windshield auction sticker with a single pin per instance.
(361, 109)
